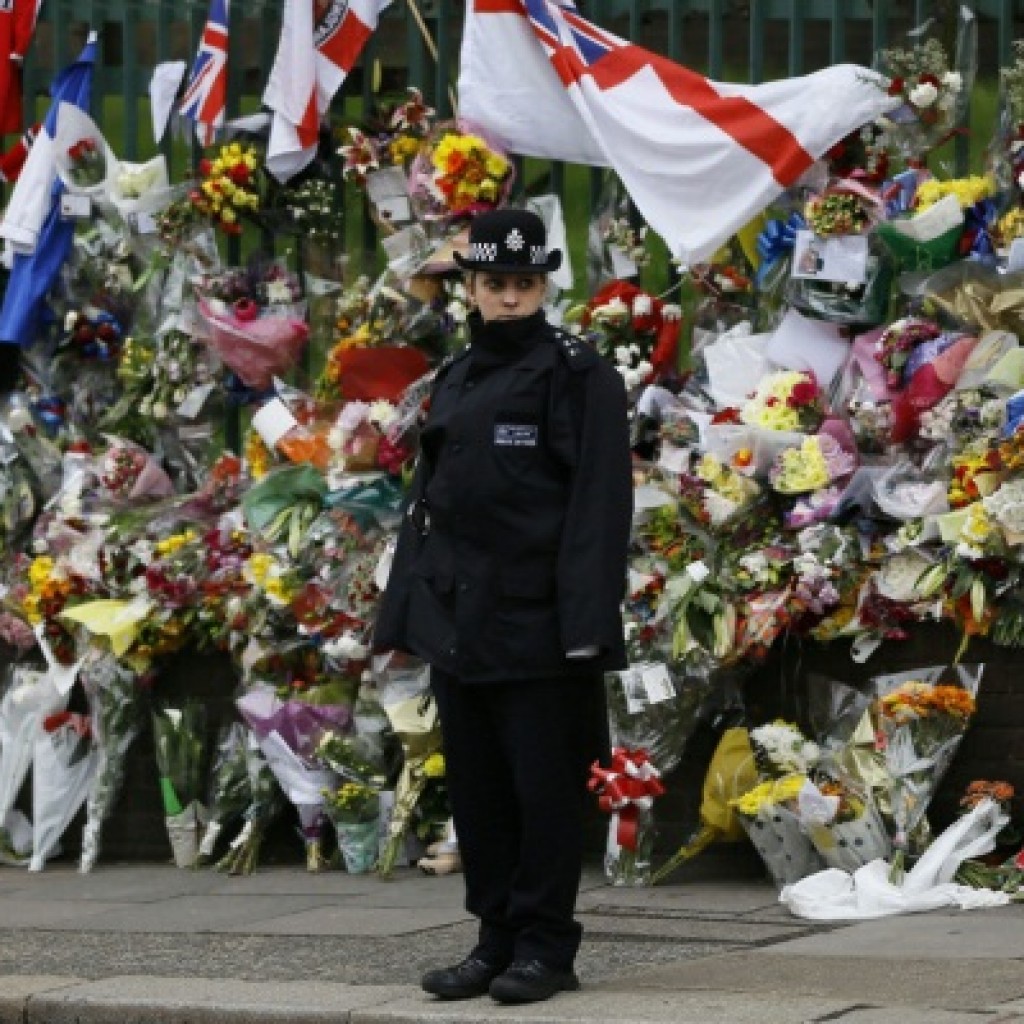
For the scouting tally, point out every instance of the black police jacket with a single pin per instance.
(513, 548)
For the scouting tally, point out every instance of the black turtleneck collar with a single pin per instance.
(505, 340)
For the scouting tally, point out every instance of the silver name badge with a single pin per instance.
(516, 435)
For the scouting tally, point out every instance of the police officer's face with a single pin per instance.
(506, 296)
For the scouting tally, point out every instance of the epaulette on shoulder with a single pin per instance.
(579, 354)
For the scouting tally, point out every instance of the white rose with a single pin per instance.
(671, 311)
(953, 81)
(458, 312)
(159, 411)
(622, 355)
(924, 94)
(1020, 179)
(644, 367)
(642, 305)
(70, 319)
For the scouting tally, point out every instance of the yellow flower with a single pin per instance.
(30, 606)
(259, 567)
(496, 166)
(968, 191)
(277, 589)
(772, 793)
(803, 469)
(40, 571)
(433, 767)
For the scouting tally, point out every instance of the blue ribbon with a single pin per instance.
(898, 193)
(776, 241)
(51, 412)
(978, 221)
(1014, 413)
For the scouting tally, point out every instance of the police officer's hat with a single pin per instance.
(509, 241)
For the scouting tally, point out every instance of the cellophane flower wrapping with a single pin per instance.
(179, 740)
(115, 709)
(921, 717)
(843, 823)
(458, 173)
(412, 711)
(230, 792)
(770, 816)
(29, 696)
(64, 768)
(258, 349)
(288, 732)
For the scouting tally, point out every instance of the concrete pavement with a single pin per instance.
(149, 944)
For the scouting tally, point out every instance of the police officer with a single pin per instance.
(507, 579)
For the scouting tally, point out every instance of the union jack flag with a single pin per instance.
(207, 91)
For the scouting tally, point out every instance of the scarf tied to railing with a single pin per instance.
(629, 786)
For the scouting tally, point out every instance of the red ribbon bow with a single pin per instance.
(629, 785)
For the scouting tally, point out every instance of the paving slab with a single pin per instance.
(588, 1007)
(743, 897)
(15, 989)
(18, 912)
(883, 979)
(293, 881)
(663, 927)
(190, 914)
(349, 921)
(131, 885)
(995, 932)
(149, 1000)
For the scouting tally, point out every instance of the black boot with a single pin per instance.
(530, 981)
(465, 980)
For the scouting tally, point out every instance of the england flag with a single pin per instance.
(206, 94)
(699, 158)
(320, 42)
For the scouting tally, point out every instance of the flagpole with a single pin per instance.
(431, 46)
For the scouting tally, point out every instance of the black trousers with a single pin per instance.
(518, 756)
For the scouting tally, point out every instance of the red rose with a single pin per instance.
(205, 167)
(804, 391)
(896, 87)
(240, 174)
(930, 79)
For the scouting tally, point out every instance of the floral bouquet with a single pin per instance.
(786, 400)
(920, 721)
(770, 815)
(29, 697)
(843, 823)
(227, 190)
(412, 711)
(730, 773)
(83, 158)
(179, 738)
(780, 749)
(933, 94)
(354, 810)
(229, 788)
(627, 790)
(112, 687)
(458, 173)
(632, 328)
(63, 769)
(288, 730)
(258, 346)
(263, 803)
(819, 461)
(127, 472)
(839, 210)
(896, 343)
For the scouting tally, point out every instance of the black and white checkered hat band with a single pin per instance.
(487, 252)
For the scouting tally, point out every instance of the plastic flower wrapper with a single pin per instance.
(458, 173)
(127, 472)
(626, 791)
(906, 492)
(28, 698)
(770, 816)
(934, 92)
(282, 506)
(229, 791)
(179, 739)
(257, 346)
(843, 823)
(855, 303)
(970, 296)
(730, 772)
(354, 810)
(927, 239)
(115, 709)
(412, 711)
(288, 731)
(84, 161)
(921, 717)
(64, 765)
(845, 207)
